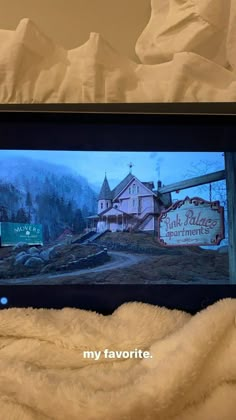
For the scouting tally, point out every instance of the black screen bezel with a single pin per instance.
(203, 128)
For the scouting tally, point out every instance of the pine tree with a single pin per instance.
(85, 211)
(28, 203)
(69, 214)
(3, 214)
(46, 233)
(21, 216)
(78, 222)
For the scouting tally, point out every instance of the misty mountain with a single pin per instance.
(37, 177)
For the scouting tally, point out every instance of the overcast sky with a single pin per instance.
(168, 166)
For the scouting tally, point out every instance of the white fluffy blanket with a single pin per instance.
(187, 53)
(191, 375)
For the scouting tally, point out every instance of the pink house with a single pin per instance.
(131, 206)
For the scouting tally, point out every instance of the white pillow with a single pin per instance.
(198, 26)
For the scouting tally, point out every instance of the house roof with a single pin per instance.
(105, 192)
(112, 211)
(116, 191)
(149, 185)
(127, 181)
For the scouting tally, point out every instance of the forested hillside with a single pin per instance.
(34, 191)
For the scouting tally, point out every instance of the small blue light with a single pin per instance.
(4, 301)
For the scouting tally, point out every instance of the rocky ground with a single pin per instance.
(23, 260)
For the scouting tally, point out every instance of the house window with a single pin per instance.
(129, 190)
(107, 205)
(134, 203)
(101, 206)
(139, 205)
(137, 190)
(133, 189)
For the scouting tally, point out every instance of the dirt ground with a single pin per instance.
(191, 265)
(195, 269)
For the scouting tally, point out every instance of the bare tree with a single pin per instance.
(216, 191)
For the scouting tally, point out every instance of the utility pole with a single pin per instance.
(230, 174)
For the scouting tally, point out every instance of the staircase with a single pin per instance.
(141, 223)
(82, 238)
(94, 237)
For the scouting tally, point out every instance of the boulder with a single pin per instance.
(44, 255)
(33, 262)
(54, 251)
(21, 258)
(33, 250)
(19, 245)
(20, 254)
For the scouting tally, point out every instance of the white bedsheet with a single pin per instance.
(199, 26)
(191, 375)
(188, 55)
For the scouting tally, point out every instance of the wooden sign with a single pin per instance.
(192, 221)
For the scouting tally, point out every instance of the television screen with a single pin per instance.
(113, 217)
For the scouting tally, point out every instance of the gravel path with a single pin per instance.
(118, 260)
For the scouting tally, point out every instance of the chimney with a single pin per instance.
(159, 184)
